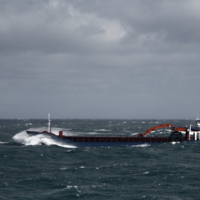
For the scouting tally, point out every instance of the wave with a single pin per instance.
(102, 130)
(134, 134)
(40, 139)
(141, 145)
(174, 142)
(4, 142)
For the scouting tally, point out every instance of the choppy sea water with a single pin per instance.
(29, 170)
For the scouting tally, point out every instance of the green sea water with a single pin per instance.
(29, 170)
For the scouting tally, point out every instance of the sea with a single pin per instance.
(37, 167)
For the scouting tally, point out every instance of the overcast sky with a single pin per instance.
(127, 59)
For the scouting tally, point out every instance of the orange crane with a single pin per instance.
(162, 126)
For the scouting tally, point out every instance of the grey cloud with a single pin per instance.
(99, 59)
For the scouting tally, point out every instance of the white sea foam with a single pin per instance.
(28, 124)
(4, 142)
(134, 133)
(141, 145)
(174, 142)
(92, 133)
(24, 138)
(102, 130)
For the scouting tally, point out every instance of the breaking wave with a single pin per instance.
(40, 139)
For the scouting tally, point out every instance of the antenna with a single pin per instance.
(49, 123)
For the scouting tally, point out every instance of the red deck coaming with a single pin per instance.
(116, 139)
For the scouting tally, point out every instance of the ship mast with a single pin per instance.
(49, 123)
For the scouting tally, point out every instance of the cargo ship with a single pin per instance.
(179, 134)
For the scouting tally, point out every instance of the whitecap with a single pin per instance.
(40, 139)
(92, 133)
(28, 124)
(102, 130)
(141, 145)
(134, 133)
(174, 142)
(63, 168)
(4, 142)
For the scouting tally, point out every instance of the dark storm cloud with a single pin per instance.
(99, 59)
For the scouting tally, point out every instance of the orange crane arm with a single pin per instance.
(180, 129)
(156, 127)
(162, 126)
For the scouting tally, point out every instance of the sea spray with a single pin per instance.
(40, 139)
